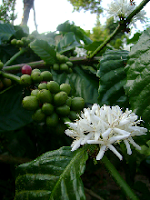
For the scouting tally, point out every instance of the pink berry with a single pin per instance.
(26, 69)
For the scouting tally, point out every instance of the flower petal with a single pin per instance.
(106, 133)
(76, 144)
(113, 149)
(129, 152)
(122, 132)
(101, 153)
(134, 144)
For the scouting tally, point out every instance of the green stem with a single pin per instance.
(137, 9)
(14, 68)
(120, 27)
(15, 56)
(116, 31)
(11, 76)
(120, 181)
(41, 64)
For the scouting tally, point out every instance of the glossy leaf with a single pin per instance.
(6, 31)
(12, 114)
(82, 84)
(112, 78)
(68, 42)
(79, 33)
(54, 175)
(44, 51)
(138, 76)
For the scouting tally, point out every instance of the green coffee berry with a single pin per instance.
(42, 86)
(60, 98)
(46, 75)
(36, 77)
(25, 79)
(56, 66)
(44, 96)
(34, 92)
(53, 87)
(63, 110)
(65, 87)
(30, 103)
(47, 108)
(77, 103)
(64, 67)
(52, 120)
(38, 116)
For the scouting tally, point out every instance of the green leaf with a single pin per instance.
(138, 76)
(134, 39)
(21, 31)
(68, 42)
(44, 51)
(79, 33)
(12, 114)
(54, 175)
(82, 84)
(112, 78)
(6, 31)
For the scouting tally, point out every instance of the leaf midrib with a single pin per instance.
(66, 171)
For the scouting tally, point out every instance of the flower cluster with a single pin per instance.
(121, 9)
(80, 52)
(105, 126)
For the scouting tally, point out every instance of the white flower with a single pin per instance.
(106, 126)
(77, 133)
(121, 9)
(106, 142)
(80, 52)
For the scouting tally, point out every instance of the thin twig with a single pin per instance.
(120, 27)
(42, 65)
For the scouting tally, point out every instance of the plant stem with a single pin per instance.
(41, 64)
(138, 8)
(116, 31)
(117, 177)
(15, 68)
(11, 76)
(15, 56)
(120, 27)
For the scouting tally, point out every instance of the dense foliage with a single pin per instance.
(92, 5)
(44, 82)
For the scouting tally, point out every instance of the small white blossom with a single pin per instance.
(105, 126)
(80, 52)
(121, 9)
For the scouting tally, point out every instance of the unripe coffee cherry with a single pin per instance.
(30, 103)
(77, 103)
(7, 82)
(25, 79)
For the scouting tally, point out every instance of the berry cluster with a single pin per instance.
(23, 42)
(34, 76)
(49, 101)
(63, 64)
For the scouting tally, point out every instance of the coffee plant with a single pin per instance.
(57, 85)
